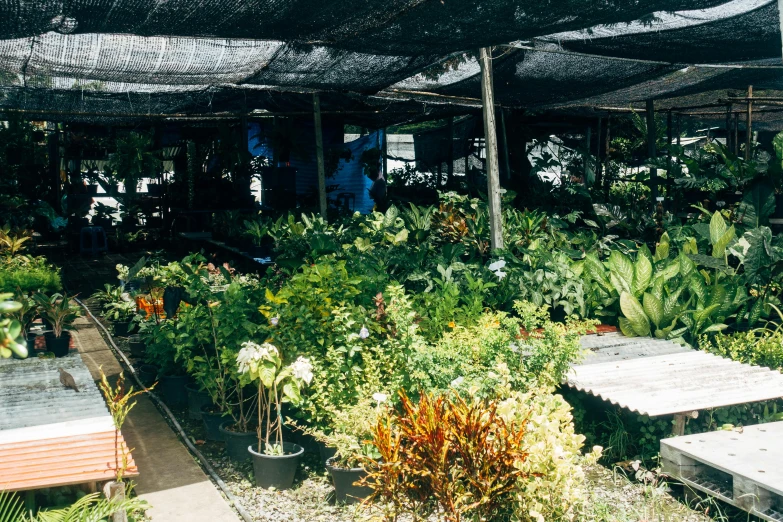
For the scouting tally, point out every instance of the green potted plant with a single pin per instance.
(117, 308)
(11, 340)
(257, 230)
(25, 315)
(103, 216)
(349, 441)
(160, 358)
(58, 310)
(274, 460)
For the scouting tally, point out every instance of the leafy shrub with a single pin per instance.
(552, 486)
(446, 454)
(763, 348)
(29, 275)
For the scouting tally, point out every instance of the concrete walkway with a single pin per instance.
(169, 478)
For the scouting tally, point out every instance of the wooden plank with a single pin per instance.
(319, 154)
(490, 133)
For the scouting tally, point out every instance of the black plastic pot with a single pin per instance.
(59, 346)
(121, 328)
(174, 391)
(238, 441)
(196, 399)
(326, 452)
(212, 422)
(137, 346)
(105, 223)
(346, 491)
(276, 471)
(31, 337)
(778, 206)
(148, 374)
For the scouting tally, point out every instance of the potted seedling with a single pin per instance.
(58, 310)
(120, 313)
(103, 216)
(118, 399)
(274, 461)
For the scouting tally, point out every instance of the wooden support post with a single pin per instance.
(319, 155)
(588, 138)
(506, 162)
(385, 151)
(736, 134)
(54, 165)
(780, 15)
(680, 419)
(728, 127)
(115, 491)
(749, 124)
(669, 137)
(652, 152)
(607, 140)
(599, 174)
(679, 129)
(490, 133)
(450, 166)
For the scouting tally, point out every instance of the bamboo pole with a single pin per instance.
(319, 155)
(749, 123)
(490, 132)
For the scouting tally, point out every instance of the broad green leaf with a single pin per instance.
(719, 248)
(717, 228)
(634, 312)
(687, 267)
(622, 267)
(717, 327)
(266, 373)
(755, 312)
(653, 307)
(662, 248)
(642, 275)
(619, 284)
(291, 390)
(626, 328)
(703, 314)
(670, 270)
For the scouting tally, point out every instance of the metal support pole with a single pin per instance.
(652, 152)
(599, 174)
(749, 124)
(319, 155)
(490, 133)
(736, 134)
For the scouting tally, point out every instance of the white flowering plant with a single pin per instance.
(276, 384)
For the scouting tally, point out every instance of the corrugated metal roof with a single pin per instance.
(655, 377)
(51, 435)
(31, 393)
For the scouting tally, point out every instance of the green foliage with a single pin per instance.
(11, 331)
(757, 347)
(58, 310)
(28, 274)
